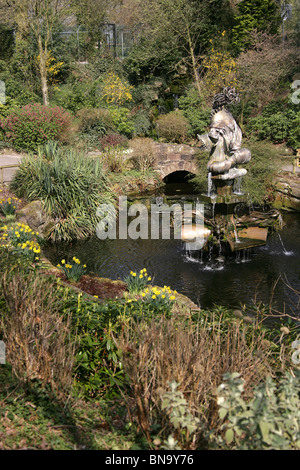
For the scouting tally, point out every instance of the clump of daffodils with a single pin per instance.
(22, 239)
(160, 298)
(137, 281)
(73, 271)
(8, 206)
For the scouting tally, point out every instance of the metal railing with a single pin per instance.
(2, 168)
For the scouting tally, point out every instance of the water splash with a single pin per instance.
(237, 188)
(285, 251)
(209, 184)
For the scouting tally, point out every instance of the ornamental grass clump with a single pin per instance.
(136, 282)
(71, 186)
(74, 271)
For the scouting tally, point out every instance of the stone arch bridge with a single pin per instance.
(175, 157)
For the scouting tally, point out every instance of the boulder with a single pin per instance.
(35, 216)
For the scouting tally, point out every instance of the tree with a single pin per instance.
(261, 69)
(180, 29)
(37, 19)
(259, 15)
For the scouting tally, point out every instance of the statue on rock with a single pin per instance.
(224, 139)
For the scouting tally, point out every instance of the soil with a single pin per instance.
(103, 288)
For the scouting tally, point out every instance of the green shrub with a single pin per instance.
(74, 97)
(121, 120)
(195, 111)
(142, 123)
(269, 421)
(33, 125)
(94, 123)
(172, 127)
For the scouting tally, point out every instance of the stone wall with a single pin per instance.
(175, 157)
(287, 192)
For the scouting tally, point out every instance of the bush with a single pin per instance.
(94, 123)
(195, 111)
(172, 127)
(269, 421)
(278, 122)
(33, 125)
(113, 141)
(74, 97)
(213, 344)
(142, 123)
(121, 120)
(143, 156)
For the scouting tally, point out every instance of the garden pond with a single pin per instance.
(241, 278)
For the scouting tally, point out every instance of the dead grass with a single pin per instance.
(195, 355)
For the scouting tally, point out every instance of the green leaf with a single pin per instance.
(222, 413)
(229, 435)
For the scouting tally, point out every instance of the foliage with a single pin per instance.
(33, 125)
(121, 120)
(8, 206)
(213, 343)
(195, 111)
(172, 127)
(142, 123)
(161, 299)
(263, 69)
(75, 96)
(260, 15)
(72, 186)
(24, 241)
(113, 141)
(220, 70)
(94, 123)
(180, 417)
(278, 127)
(269, 421)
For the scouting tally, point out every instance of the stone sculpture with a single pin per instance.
(224, 139)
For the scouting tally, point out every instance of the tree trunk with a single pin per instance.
(43, 53)
(194, 62)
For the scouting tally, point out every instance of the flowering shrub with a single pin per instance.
(113, 140)
(73, 272)
(136, 282)
(115, 90)
(33, 125)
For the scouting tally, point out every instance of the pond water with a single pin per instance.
(239, 279)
